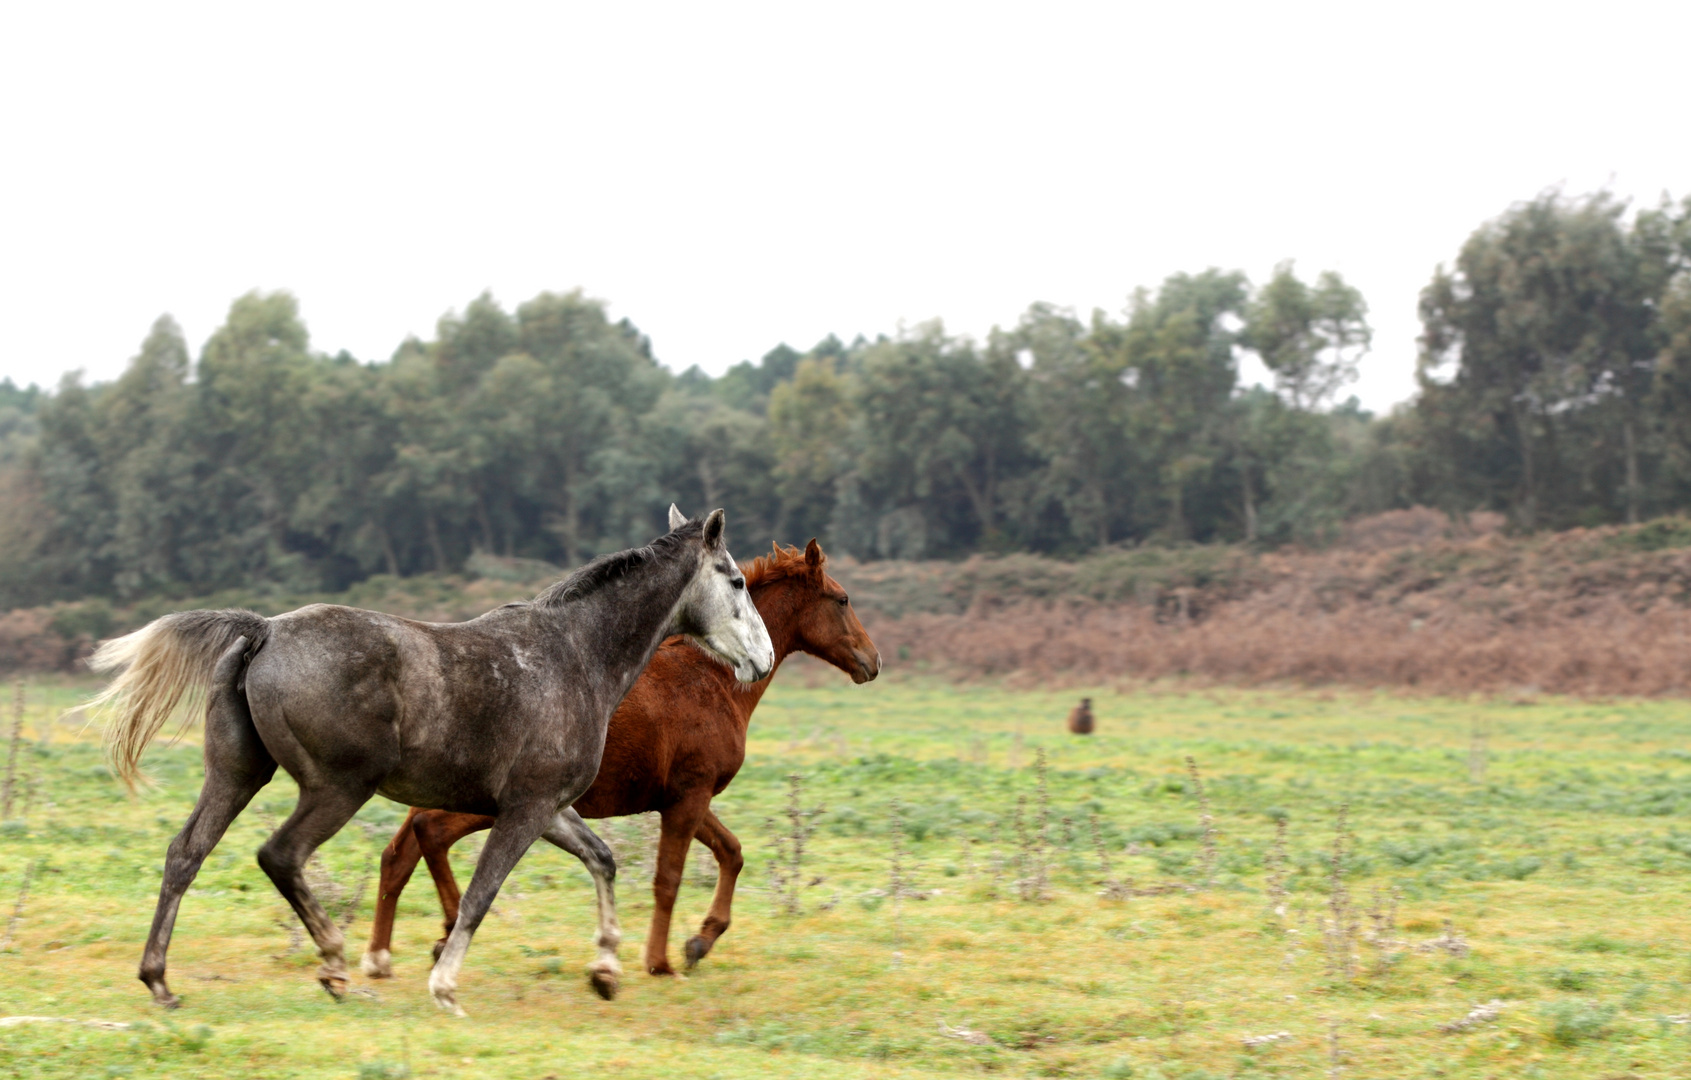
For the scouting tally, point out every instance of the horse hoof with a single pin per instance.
(445, 993)
(697, 949)
(448, 1002)
(604, 983)
(661, 970)
(167, 1000)
(334, 984)
(378, 964)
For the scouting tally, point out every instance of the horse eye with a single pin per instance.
(845, 601)
(738, 583)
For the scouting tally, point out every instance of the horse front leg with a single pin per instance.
(726, 847)
(513, 831)
(680, 821)
(571, 833)
(399, 860)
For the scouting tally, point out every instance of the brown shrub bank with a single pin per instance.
(1407, 601)
(1607, 651)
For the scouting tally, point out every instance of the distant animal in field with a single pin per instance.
(1080, 717)
(504, 715)
(677, 740)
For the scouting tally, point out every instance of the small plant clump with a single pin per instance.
(1573, 1022)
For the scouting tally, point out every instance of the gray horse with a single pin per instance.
(502, 715)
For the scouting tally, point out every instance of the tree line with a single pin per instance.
(1555, 385)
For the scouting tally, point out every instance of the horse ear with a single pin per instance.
(813, 555)
(676, 518)
(713, 529)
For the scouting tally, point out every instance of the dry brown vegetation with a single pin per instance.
(1591, 612)
(1406, 599)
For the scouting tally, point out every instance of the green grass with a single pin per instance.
(1566, 871)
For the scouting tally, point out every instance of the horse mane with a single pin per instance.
(607, 568)
(780, 563)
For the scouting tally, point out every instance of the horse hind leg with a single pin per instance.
(236, 766)
(320, 814)
(726, 847)
(571, 833)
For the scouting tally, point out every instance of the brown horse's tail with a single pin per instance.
(159, 665)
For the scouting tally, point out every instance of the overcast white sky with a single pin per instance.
(734, 176)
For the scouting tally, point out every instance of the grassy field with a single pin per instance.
(1554, 883)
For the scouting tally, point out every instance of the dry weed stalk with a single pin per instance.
(339, 902)
(349, 908)
(786, 869)
(995, 866)
(651, 829)
(1177, 1023)
(1476, 752)
(633, 842)
(296, 933)
(1274, 866)
(1340, 929)
(10, 788)
(897, 882)
(1382, 919)
(1033, 844)
(10, 935)
(1296, 936)
(1113, 889)
(705, 870)
(1206, 822)
(1042, 830)
(1024, 843)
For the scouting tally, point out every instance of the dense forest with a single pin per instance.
(1555, 387)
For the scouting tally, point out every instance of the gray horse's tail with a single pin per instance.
(159, 665)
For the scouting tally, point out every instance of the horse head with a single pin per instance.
(716, 613)
(819, 612)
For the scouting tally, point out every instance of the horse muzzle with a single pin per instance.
(868, 666)
(750, 671)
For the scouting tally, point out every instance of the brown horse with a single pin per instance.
(676, 740)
